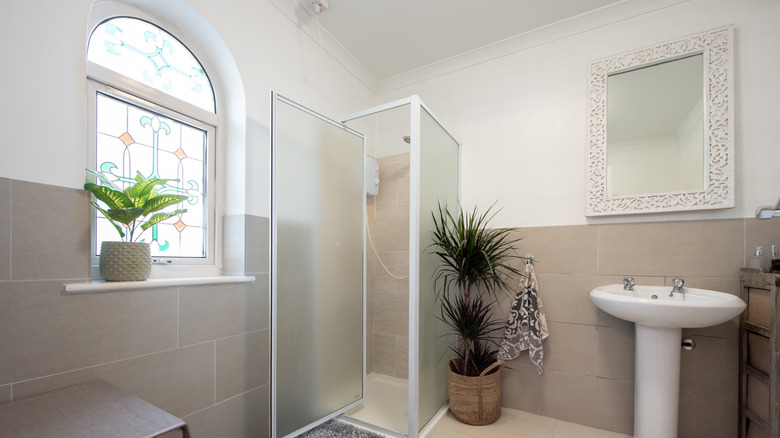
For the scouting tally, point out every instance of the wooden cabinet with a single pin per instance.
(759, 392)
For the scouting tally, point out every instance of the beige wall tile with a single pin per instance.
(242, 363)
(48, 332)
(397, 262)
(588, 400)
(5, 229)
(566, 299)
(179, 381)
(391, 314)
(520, 384)
(761, 233)
(712, 368)
(217, 311)
(40, 251)
(560, 250)
(242, 416)
(390, 229)
(393, 182)
(570, 347)
(615, 353)
(401, 357)
(693, 248)
(384, 354)
(711, 417)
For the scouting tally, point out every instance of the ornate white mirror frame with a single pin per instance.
(718, 192)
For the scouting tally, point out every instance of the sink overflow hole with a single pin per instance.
(655, 297)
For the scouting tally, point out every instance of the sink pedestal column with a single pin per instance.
(657, 382)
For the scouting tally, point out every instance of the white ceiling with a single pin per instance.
(392, 37)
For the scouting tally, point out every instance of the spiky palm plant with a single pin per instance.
(475, 263)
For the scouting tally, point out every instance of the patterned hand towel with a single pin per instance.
(526, 327)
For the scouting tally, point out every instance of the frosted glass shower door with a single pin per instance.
(317, 266)
(438, 181)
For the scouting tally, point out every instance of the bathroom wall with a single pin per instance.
(522, 117)
(198, 352)
(522, 120)
(388, 297)
(589, 356)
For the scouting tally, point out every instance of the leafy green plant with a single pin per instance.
(475, 263)
(137, 206)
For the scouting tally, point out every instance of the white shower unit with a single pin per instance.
(333, 319)
(419, 168)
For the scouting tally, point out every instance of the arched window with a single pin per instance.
(154, 112)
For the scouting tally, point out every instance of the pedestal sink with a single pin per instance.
(659, 320)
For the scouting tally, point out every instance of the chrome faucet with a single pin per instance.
(677, 286)
(628, 283)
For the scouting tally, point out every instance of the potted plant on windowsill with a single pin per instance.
(131, 211)
(475, 263)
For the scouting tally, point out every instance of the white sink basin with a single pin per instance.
(696, 308)
(659, 321)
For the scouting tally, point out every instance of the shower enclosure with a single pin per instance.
(354, 326)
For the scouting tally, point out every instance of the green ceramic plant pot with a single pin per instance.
(125, 261)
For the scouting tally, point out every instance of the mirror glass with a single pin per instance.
(655, 130)
(660, 132)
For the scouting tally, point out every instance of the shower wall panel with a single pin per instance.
(388, 297)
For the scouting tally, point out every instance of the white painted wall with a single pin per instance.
(522, 117)
(43, 84)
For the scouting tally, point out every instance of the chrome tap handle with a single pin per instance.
(677, 286)
(628, 283)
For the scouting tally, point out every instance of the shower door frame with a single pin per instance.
(415, 106)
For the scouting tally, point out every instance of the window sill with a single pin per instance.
(152, 283)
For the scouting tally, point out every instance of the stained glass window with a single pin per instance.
(132, 139)
(144, 52)
(135, 132)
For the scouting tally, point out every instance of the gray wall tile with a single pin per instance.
(43, 249)
(591, 382)
(242, 416)
(52, 333)
(179, 381)
(5, 393)
(695, 248)
(520, 385)
(5, 229)
(233, 244)
(589, 400)
(258, 242)
(218, 311)
(560, 250)
(615, 353)
(712, 368)
(704, 416)
(570, 347)
(242, 363)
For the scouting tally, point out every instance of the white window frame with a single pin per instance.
(110, 83)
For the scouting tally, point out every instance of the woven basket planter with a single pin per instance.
(125, 261)
(476, 400)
